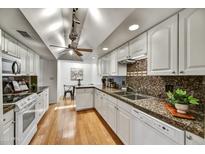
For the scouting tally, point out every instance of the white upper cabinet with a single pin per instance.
(23, 55)
(36, 64)
(105, 63)
(113, 63)
(162, 48)
(138, 46)
(10, 45)
(123, 52)
(192, 42)
(99, 66)
(31, 62)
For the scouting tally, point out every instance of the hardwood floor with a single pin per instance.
(63, 125)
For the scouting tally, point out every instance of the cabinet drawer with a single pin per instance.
(7, 117)
(124, 106)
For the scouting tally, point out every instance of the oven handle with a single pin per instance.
(30, 106)
(15, 64)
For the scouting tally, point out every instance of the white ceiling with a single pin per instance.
(104, 27)
(54, 26)
(12, 19)
(144, 17)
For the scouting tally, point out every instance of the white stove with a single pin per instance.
(25, 117)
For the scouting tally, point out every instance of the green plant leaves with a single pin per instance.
(181, 97)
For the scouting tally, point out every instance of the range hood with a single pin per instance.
(131, 60)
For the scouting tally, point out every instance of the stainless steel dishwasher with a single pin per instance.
(147, 130)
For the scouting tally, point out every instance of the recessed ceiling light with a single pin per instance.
(93, 57)
(133, 27)
(105, 49)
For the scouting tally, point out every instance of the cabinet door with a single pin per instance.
(99, 66)
(123, 52)
(84, 99)
(112, 114)
(105, 65)
(138, 46)
(162, 48)
(123, 125)
(8, 133)
(104, 107)
(23, 55)
(192, 42)
(192, 139)
(31, 62)
(113, 63)
(46, 99)
(10, 45)
(36, 64)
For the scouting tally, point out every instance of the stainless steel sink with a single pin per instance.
(135, 97)
(122, 93)
(131, 95)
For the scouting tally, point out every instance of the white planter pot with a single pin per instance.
(182, 108)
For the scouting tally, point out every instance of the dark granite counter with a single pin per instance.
(155, 107)
(41, 89)
(7, 108)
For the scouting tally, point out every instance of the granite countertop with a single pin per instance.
(7, 108)
(41, 89)
(155, 107)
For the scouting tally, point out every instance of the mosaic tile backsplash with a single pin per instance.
(155, 85)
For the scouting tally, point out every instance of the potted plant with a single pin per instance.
(181, 100)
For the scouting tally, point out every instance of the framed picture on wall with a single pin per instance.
(76, 74)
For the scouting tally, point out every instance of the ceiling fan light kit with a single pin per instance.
(72, 48)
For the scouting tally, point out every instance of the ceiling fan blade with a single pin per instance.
(78, 53)
(56, 46)
(84, 49)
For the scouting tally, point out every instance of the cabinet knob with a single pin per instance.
(4, 119)
(173, 72)
(189, 137)
(181, 72)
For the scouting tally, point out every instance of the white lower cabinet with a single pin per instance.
(84, 98)
(42, 104)
(46, 99)
(112, 115)
(192, 139)
(110, 110)
(8, 128)
(123, 125)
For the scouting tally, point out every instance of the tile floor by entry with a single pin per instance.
(63, 125)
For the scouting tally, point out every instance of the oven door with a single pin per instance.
(26, 125)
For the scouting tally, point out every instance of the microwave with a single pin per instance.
(11, 65)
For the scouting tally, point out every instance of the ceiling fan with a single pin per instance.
(73, 36)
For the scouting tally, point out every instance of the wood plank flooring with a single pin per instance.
(63, 125)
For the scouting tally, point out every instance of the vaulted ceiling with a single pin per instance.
(104, 27)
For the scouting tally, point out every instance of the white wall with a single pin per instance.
(64, 77)
(48, 77)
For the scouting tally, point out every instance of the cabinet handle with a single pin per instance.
(173, 72)
(181, 72)
(189, 137)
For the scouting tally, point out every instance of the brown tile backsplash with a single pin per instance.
(155, 85)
